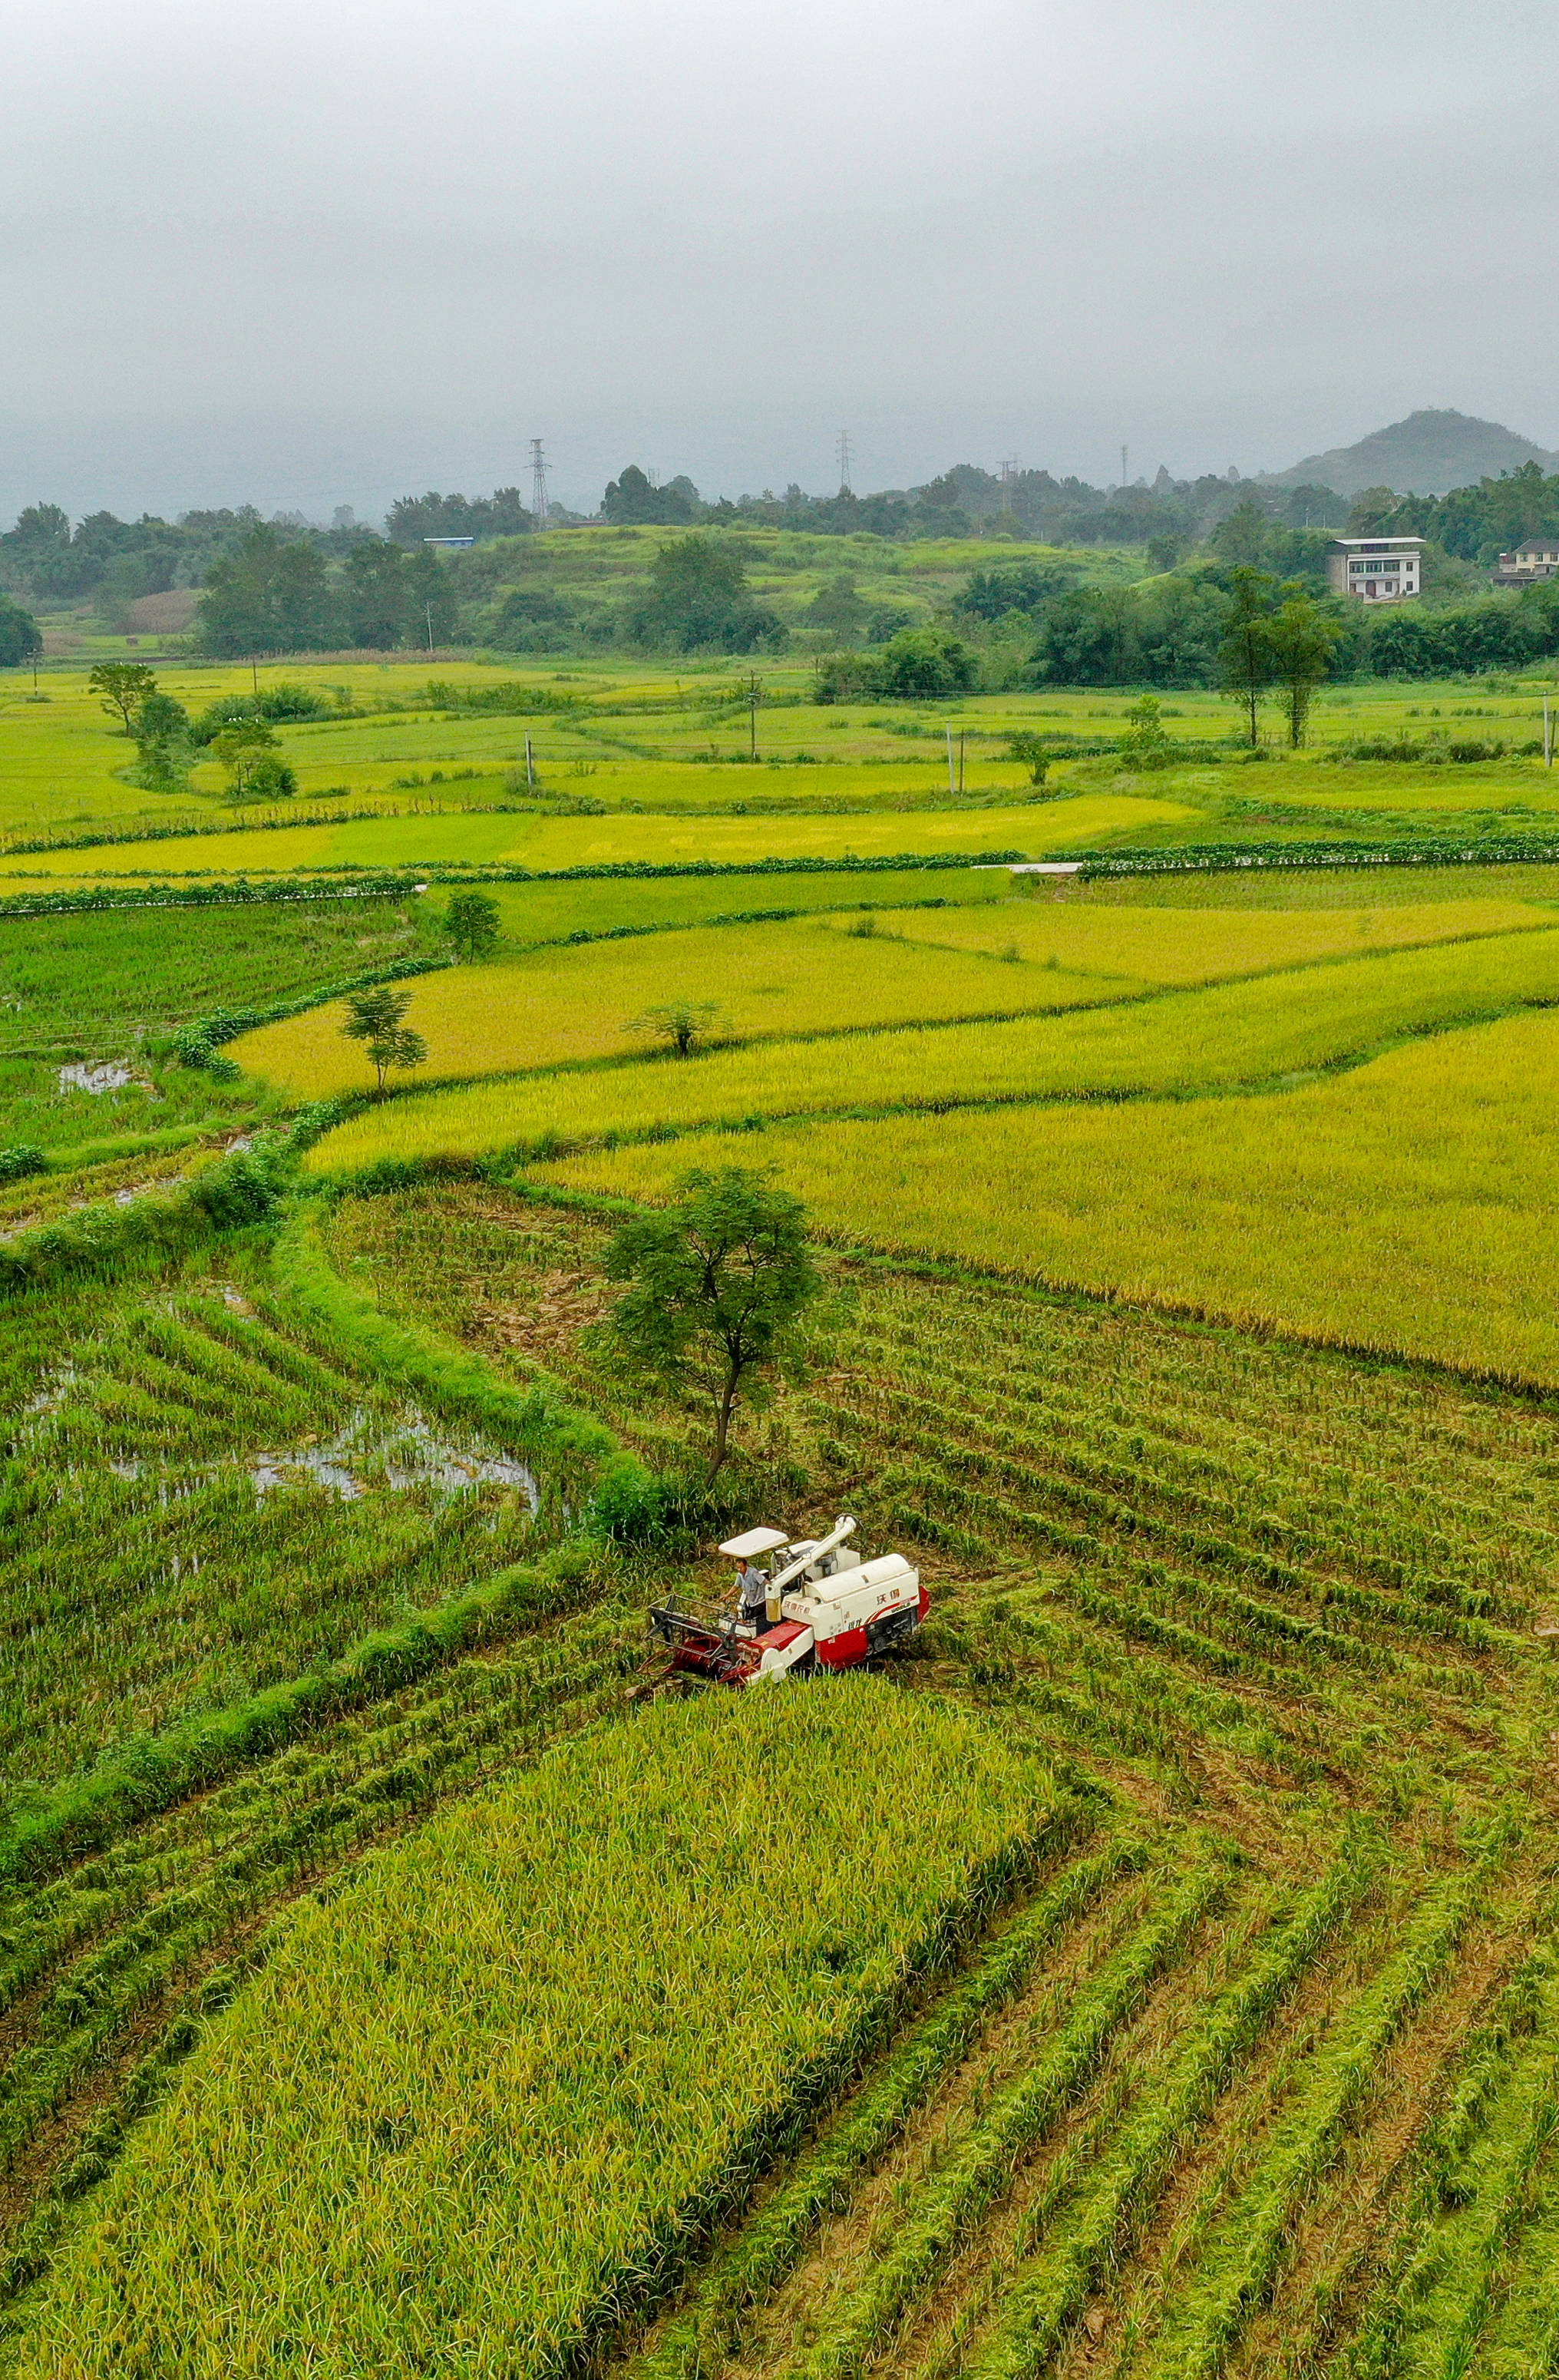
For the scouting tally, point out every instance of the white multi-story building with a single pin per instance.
(1377, 569)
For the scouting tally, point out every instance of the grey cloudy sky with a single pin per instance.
(320, 252)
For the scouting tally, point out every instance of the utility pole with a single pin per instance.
(952, 780)
(1547, 734)
(530, 763)
(844, 463)
(539, 505)
(755, 696)
(1123, 466)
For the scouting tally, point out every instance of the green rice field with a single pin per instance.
(1149, 1969)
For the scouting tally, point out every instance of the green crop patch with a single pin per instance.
(488, 2100)
(199, 1504)
(98, 981)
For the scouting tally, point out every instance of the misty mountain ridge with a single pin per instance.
(1428, 454)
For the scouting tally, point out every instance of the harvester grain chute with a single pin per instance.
(823, 1608)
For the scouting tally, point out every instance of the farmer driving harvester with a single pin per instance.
(752, 1585)
(818, 1607)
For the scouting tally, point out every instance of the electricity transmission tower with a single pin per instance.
(537, 484)
(1123, 466)
(844, 459)
(1010, 466)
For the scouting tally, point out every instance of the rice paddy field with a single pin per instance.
(1151, 1969)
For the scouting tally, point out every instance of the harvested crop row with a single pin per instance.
(1390, 1474)
(1244, 2255)
(1116, 2195)
(766, 2248)
(198, 1504)
(975, 2176)
(1109, 1462)
(1485, 2184)
(1005, 1459)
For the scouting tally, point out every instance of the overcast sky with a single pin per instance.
(311, 252)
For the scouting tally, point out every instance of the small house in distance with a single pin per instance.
(1540, 559)
(1377, 569)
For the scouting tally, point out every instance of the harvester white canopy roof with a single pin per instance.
(753, 1541)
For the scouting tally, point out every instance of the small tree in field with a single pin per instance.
(124, 686)
(1245, 655)
(472, 923)
(248, 751)
(682, 1025)
(1033, 751)
(1301, 638)
(717, 1285)
(376, 1017)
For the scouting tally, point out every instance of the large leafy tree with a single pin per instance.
(922, 661)
(39, 549)
(267, 596)
(716, 1284)
(378, 595)
(1302, 641)
(699, 600)
(634, 499)
(1245, 656)
(1087, 637)
(473, 922)
(124, 686)
(19, 635)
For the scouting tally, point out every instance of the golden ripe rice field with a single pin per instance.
(1249, 1032)
(1407, 1206)
(761, 979)
(470, 2108)
(867, 968)
(532, 839)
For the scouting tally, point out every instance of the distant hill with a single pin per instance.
(1425, 456)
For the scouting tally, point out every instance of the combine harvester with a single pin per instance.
(825, 1609)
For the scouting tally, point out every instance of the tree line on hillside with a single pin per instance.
(48, 559)
(1022, 619)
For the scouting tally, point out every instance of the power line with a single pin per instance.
(539, 505)
(844, 460)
